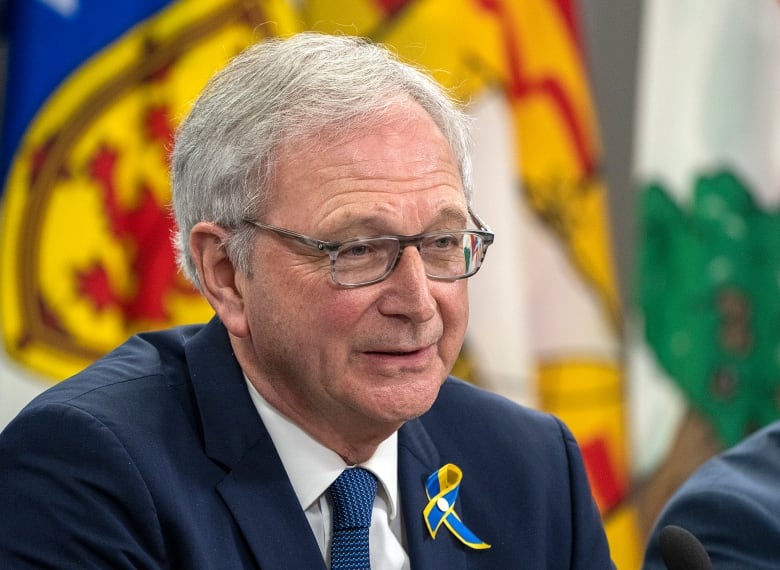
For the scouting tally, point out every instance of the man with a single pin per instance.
(224, 445)
(731, 504)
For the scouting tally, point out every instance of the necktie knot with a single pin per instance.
(353, 500)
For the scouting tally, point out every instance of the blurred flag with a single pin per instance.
(85, 256)
(95, 90)
(707, 164)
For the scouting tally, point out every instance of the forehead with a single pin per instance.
(400, 162)
(403, 130)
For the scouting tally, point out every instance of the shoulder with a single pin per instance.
(749, 469)
(471, 403)
(464, 412)
(731, 505)
(121, 397)
(135, 364)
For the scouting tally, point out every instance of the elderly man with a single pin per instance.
(322, 196)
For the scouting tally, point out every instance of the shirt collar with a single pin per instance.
(312, 467)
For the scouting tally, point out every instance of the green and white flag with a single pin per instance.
(708, 170)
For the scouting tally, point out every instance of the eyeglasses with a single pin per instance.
(446, 255)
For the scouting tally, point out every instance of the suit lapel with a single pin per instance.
(259, 494)
(417, 459)
(256, 489)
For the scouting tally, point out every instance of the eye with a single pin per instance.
(357, 250)
(444, 241)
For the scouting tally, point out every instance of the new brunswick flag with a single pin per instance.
(85, 230)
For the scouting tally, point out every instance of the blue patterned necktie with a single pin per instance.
(353, 499)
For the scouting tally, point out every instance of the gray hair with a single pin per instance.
(276, 91)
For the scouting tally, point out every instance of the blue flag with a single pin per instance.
(47, 41)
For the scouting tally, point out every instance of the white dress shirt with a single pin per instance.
(312, 468)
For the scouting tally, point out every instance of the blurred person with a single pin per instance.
(731, 505)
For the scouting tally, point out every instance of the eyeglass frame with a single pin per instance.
(332, 247)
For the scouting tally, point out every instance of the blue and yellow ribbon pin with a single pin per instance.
(442, 489)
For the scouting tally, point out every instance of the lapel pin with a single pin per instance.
(442, 489)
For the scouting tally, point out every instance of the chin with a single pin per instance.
(409, 402)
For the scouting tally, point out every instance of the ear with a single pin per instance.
(218, 276)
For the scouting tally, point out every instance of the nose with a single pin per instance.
(408, 289)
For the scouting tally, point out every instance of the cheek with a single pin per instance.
(283, 308)
(454, 306)
(327, 315)
(454, 309)
(341, 312)
(296, 293)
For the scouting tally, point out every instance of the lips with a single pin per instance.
(413, 351)
(392, 361)
(400, 348)
(396, 352)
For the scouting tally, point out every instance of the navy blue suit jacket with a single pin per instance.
(155, 457)
(732, 505)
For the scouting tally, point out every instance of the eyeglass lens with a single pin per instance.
(446, 256)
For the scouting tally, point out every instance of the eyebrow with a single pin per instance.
(445, 218)
(454, 215)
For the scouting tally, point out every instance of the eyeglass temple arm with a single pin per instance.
(481, 224)
(289, 234)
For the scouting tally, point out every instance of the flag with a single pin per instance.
(708, 142)
(545, 310)
(95, 91)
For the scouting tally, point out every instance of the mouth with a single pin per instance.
(407, 359)
(396, 352)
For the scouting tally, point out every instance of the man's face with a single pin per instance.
(368, 358)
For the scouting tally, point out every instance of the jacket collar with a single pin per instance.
(255, 489)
